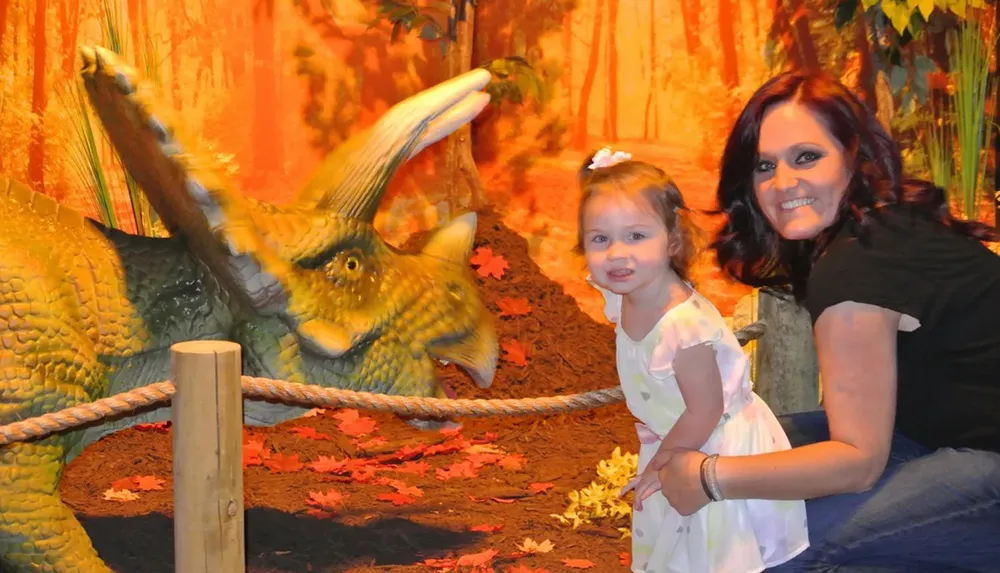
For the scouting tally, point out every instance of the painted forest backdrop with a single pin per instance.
(272, 85)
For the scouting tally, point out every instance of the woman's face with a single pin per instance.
(802, 173)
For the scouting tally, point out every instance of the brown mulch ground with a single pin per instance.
(569, 353)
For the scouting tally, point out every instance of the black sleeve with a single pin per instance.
(884, 270)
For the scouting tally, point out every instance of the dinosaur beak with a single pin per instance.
(476, 353)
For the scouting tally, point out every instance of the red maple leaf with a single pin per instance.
(147, 483)
(284, 463)
(578, 563)
(625, 559)
(328, 465)
(254, 453)
(515, 353)
(161, 427)
(123, 483)
(536, 488)
(395, 498)
(418, 467)
(488, 263)
(456, 470)
(373, 443)
(512, 462)
(354, 424)
(513, 306)
(477, 559)
(310, 433)
(487, 528)
(330, 500)
(480, 459)
(440, 563)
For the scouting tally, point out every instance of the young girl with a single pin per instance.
(684, 375)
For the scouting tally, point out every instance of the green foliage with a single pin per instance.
(86, 156)
(514, 79)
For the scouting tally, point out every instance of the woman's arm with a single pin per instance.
(856, 348)
(700, 382)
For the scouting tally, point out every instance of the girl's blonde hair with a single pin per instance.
(638, 179)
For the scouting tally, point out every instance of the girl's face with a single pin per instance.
(626, 244)
(802, 173)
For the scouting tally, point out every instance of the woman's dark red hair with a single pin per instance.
(749, 249)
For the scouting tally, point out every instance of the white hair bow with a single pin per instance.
(604, 158)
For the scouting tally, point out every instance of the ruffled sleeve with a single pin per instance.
(685, 326)
(612, 301)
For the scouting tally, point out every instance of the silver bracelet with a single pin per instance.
(710, 480)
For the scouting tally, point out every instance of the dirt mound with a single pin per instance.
(408, 497)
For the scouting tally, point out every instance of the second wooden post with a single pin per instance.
(208, 457)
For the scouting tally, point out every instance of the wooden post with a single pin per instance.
(787, 373)
(208, 457)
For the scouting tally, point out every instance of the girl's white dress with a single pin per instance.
(731, 536)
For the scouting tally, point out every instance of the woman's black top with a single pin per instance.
(949, 367)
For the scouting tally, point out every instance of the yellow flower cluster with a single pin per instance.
(900, 11)
(600, 499)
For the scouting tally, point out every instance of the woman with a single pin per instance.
(901, 471)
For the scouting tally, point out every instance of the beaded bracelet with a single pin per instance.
(708, 481)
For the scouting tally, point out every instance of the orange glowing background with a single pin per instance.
(659, 78)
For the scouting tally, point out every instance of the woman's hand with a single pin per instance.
(680, 480)
(645, 484)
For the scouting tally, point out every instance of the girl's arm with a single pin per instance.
(856, 348)
(701, 387)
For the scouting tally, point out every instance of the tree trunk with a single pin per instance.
(727, 37)
(69, 20)
(580, 133)
(567, 74)
(755, 14)
(866, 72)
(787, 370)
(612, 84)
(996, 128)
(461, 173)
(36, 150)
(691, 12)
(175, 53)
(803, 36)
(4, 9)
(134, 28)
(265, 132)
(651, 99)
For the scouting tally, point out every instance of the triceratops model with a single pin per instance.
(310, 291)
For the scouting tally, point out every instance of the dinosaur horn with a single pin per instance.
(354, 177)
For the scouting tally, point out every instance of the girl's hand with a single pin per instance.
(645, 484)
(680, 481)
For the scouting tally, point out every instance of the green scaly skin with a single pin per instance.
(310, 291)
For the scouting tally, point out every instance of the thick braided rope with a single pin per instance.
(312, 395)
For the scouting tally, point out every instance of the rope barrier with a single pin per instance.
(313, 395)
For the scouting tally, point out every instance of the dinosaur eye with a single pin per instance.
(352, 263)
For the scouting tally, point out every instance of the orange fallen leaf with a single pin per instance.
(479, 460)
(503, 499)
(477, 559)
(578, 563)
(153, 427)
(120, 495)
(514, 306)
(314, 412)
(284, 463)
(515, 352)
(373, 443)
(418, 467)
(529, 545)
(523, 569)
(487, 528)
(537, 488)
(625, 559)
(354, 424)
(147, 483)
(488, 263)
(512, 462)
(254, 453)
(330, 500)
(440, 563)
(456, 470)
(309, 433)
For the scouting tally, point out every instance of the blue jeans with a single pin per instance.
(931, 512)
